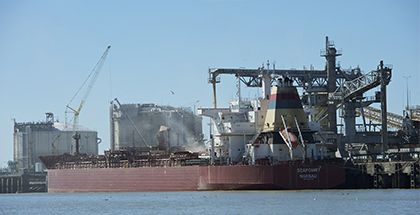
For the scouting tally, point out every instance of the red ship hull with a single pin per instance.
(193, 178)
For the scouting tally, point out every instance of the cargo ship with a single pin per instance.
(264, 144)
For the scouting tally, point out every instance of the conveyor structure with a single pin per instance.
(331, 89)
(374, 114)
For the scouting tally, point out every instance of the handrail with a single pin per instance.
(350, 89)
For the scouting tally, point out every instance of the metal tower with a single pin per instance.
(330, 53)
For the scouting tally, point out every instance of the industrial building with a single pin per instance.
(138, 125)
(34, 139)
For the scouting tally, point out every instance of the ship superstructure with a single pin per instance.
(271, 129)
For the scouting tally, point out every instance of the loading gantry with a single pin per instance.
(331, 89)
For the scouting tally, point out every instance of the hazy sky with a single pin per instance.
(48, 48)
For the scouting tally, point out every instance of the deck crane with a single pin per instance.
(95, 72)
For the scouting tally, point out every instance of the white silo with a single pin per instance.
(34, 139)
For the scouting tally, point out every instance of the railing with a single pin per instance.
(359, 85)
(350, 89)
(323, 52)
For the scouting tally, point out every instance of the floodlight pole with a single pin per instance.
(407, 90)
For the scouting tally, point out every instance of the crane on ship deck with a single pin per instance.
(96, 70)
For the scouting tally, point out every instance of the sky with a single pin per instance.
(48, 49)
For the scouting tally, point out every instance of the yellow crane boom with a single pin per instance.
(95, 72)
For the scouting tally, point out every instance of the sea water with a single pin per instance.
(392, 201)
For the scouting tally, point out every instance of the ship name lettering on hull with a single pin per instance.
(305, 173)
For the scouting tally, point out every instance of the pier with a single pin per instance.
(23, 181)
(382, 175)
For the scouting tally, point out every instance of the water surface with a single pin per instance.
(216, 202)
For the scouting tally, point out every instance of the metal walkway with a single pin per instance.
(351, 89)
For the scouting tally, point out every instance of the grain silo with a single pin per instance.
(34, 139)
(137, 125)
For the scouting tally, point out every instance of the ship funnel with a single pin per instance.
(284, 104)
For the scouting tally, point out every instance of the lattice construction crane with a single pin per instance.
(95, 73)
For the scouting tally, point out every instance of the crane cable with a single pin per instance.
(96, 70)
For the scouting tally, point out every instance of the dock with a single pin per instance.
(23, 181)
